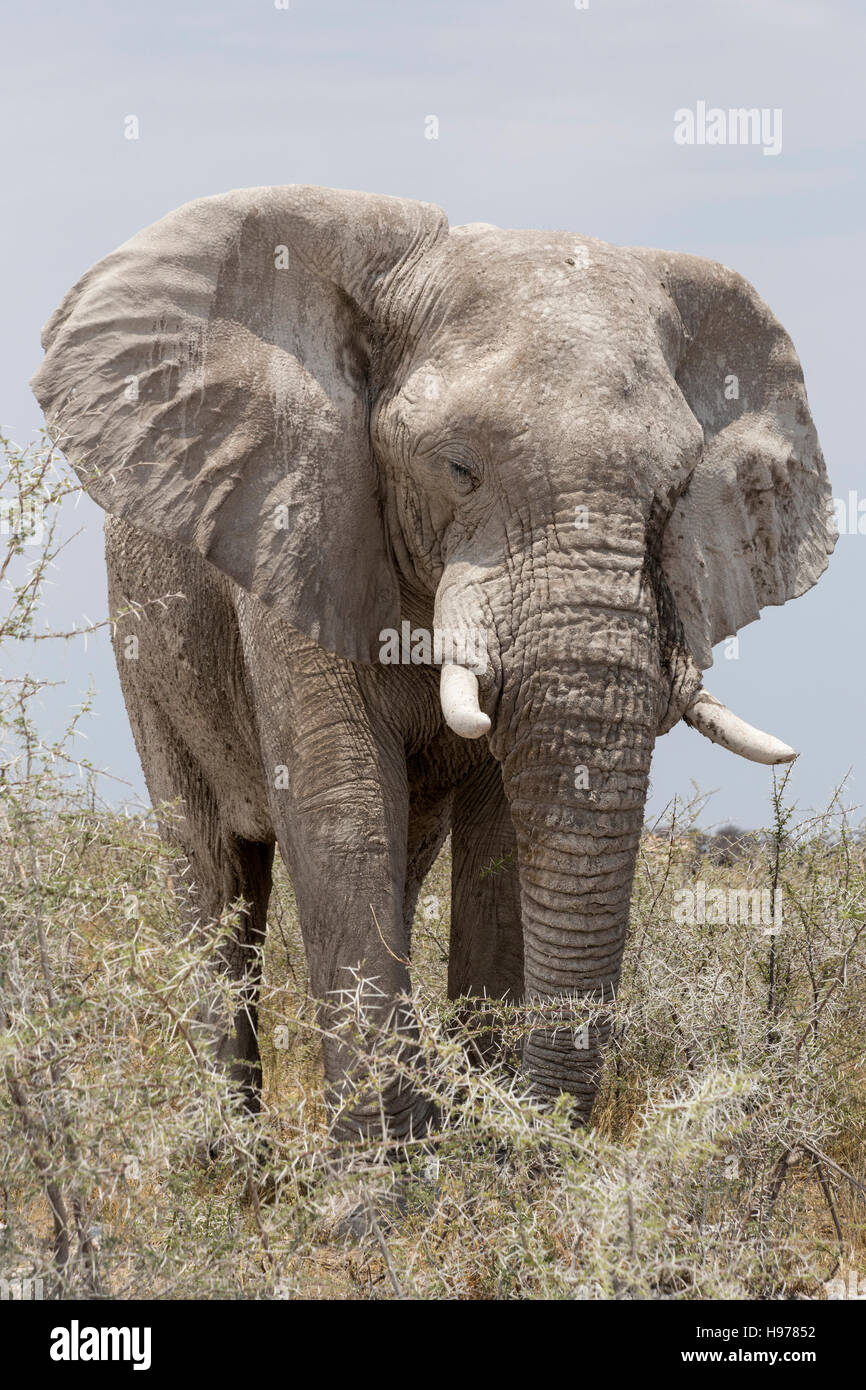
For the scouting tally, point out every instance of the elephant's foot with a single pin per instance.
(379, 1121)
(370, 1217)
(372, 1133)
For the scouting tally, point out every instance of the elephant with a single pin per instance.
(325, 422)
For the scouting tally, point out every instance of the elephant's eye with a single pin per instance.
(463, 472)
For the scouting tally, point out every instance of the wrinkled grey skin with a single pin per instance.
(390, 417)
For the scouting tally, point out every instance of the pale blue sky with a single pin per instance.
(549, 117)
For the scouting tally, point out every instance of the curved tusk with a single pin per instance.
(717, 723)
(458, 694)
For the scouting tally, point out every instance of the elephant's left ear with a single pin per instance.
(753, 526)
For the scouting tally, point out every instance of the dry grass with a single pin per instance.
(725, 1159)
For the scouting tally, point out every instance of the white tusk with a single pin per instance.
(716, 722)
(458, 693)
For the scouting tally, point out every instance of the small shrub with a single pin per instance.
(725, 1158)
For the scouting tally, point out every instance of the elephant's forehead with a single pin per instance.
(511, 317)
(553, 286)
(559, 344)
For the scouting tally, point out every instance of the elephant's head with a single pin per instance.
(601, 459)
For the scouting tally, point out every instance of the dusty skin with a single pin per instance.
(314, 414)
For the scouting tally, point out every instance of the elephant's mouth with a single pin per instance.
(462, 712)
(470, 691)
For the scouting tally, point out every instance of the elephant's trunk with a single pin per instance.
(575, 731)
(577, 807)
(577, 695)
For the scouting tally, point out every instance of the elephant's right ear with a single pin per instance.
(209, 383)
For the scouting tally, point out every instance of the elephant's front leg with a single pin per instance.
(486, 959)
(339, 800)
